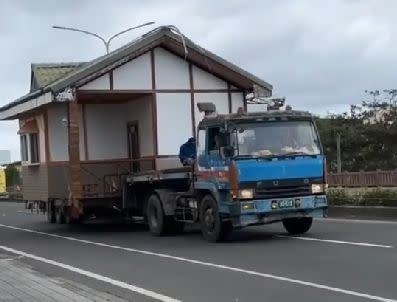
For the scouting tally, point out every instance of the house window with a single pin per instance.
(30, 148)
(24, 148)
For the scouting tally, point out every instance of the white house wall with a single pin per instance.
(237, 101)
(135, 74)
(174, 121)
(106, 131)
(220, 99)
(101, 83)
(140, 110)
(205, 80)
(58, 132)
(171, 71)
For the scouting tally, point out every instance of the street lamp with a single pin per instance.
(107, 43)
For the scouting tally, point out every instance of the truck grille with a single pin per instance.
(279, 192)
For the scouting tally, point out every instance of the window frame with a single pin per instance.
(30, 148)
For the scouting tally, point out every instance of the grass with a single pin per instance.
(378, 197)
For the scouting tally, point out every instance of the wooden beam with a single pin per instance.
(84, 117)
(111, 80)
(229, 97)
(46, 136)
(148, 91)
(245, 101)
(74, 149)
(192, 99)
(154, 102)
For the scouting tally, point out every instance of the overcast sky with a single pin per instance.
(321, 55)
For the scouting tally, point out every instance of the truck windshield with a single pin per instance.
(275, 138)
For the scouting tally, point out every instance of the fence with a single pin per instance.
(363, 179)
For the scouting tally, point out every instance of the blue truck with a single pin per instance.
(250, 169)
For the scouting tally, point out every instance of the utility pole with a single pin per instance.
(338, 154)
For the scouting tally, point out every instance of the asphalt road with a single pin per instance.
(339, 260)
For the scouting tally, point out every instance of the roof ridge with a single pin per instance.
(56, 64)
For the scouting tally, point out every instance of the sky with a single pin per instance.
(320, 55)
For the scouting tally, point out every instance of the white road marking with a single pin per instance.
(336, 241)
(209, 264)
(92, 275)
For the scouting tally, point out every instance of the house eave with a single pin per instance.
(24, 104)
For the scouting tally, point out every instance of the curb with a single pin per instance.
(363, 212)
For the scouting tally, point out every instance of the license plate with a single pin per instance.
(289, 203)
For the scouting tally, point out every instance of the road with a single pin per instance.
(339, 260)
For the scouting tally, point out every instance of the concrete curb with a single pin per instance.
(363, 212)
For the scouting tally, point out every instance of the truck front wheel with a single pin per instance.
(296, 226)
(212, 227)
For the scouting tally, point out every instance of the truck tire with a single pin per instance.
(212, 227)
(296, 226)
(155, 216)
(59, 215)
(50, 212)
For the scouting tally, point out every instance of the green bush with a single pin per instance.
(378, 197)
(337, 197)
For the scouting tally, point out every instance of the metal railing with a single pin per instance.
(105, 178)
(377, 178)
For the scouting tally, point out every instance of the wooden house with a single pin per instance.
(84, 126)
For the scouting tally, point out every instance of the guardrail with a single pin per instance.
(377, 178)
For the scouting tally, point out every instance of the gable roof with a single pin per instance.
(54, 78)
(44, 74)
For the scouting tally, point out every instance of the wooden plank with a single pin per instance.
(229, 97)
(154, 102)
(192, 99)
(46, 136)
(74, 149)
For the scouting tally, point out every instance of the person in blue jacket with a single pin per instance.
(187, 152)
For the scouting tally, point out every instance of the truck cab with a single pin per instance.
(259, 168)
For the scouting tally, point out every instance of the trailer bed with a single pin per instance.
(182, 173)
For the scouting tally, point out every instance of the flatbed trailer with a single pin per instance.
(229, 186)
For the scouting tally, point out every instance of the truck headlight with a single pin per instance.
(246, 194)
(317, 188)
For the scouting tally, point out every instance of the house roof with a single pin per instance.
(44, 74)
(55, 78)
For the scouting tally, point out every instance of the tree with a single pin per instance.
(13, 176)
(368, 134)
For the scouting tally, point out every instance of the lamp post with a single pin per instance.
(105, 42)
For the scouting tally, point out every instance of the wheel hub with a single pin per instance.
(209, 220)
(153, 217)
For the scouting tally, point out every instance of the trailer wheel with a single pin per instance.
(212, 227)
(50, 212)
(155, 216)
(296, 226)
(60, 215)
